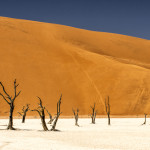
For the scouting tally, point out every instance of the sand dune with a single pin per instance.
(85, 66)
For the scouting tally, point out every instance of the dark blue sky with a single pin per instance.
(129, 17)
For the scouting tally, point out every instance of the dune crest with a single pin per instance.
(85, 66)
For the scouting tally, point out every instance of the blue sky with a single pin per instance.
(128, 17)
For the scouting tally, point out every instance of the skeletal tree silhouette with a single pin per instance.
(10, 101)
(41, 113)
(107, 106)
(57, 115)
(24, 112)
(145, 119)
(76, 115)
(93, 115)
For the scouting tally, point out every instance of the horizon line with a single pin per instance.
(74, 27)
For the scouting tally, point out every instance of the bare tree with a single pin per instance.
(57, 115)
(50, 116)
(10, 101)
(145, 119)
(93, 115)
(24, 112)
(76, 116)
(41, 113)
(107, 106)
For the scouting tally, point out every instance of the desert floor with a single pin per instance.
(124, 133)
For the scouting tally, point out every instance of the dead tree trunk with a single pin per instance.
(107, 106)
(50, 117)
(57, 115)
(24, 112)
(41, 113)
(145, 119)
(10, 124)
(93, 115)
(76, 116)
(10, 101)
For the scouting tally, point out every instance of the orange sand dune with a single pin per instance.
(85, 66)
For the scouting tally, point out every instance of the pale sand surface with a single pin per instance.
(123, 134)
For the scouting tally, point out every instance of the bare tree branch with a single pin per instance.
(19, 113)
(50, 116)
(36, 111)
(18, 93)
(4, 98)
(5, 90)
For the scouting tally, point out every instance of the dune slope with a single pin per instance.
(85, 66)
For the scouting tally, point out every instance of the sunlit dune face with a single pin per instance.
(85, 66)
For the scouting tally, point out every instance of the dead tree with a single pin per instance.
(24, 112)
(41, 113)
(76, 116)
(50, 116)
(107, 106)
(145, 119)
(10, 101)
(93, 115)
(57, 115)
